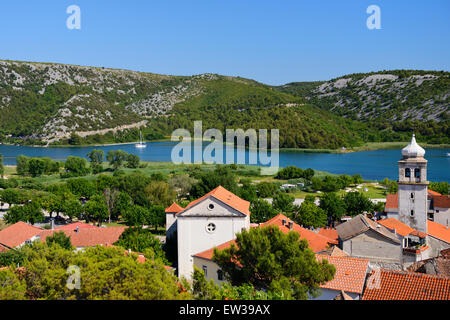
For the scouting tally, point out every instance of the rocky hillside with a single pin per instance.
(46, 103)
(388, 95)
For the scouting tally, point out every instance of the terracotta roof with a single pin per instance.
(342, 296)
(329, 233)
(403, 285)
(89, 237)
(317, 242)
(18, 233)
(334, 251)
(222, 194)
(401, 228)
(391, 201)
(361, 224)
(74, 225)
(174, 208)
(208, 254)
(3, 248)
(438, 231)
(350, 273)
(441, 201)
(433, 193)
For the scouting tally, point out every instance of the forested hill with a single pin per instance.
(396, 101)
(44, 103)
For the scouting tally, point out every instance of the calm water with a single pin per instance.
(373, 165)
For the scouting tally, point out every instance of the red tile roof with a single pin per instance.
(3, 248)
(350, 273)
(89, 237)
(208, 254)
(174, 208)
(316, 241)
(401, 228)
(18, 233)
(403, 285)
(329, 233)
(433, 193)
(441, 201)
(222, 194)
(438, 231)
(391, 201)
(74, 225)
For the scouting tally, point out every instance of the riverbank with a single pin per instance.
(370, 146)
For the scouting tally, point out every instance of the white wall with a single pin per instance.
(442, 216)
(193, 237)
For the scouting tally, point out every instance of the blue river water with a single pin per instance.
(372, 165)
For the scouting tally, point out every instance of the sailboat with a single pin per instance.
(141, 142)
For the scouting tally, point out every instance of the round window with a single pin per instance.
(211, 206)
(211, 227)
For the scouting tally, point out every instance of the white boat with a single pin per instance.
(141, 142)
(448, 154)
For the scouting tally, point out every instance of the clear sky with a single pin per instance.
(274, 42)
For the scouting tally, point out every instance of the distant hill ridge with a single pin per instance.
(44, 103)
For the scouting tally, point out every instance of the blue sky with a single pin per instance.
(274, 42)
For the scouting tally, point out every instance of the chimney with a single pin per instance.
(283, 222)
(290, 225)
(77, 229)
(52, 224)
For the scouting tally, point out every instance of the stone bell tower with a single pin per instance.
(413, 187)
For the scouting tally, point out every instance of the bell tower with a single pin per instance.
(413, 187)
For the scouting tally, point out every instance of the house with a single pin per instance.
(87, 237)
(349, 278)
(206, 222)
(317, 242)
(361, 237)
(170, 218)
(439, 265)
(81, 235)
(404, 285)
(350, 274)
(18, 234)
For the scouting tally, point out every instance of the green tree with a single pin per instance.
(221, 176)
(30, 212)
(160, 193)
(270, 260)
(106, 274)
(136, 216)
(12, 287)
(10, 196)
(138, 240)
(357, 179)
(96, 158)
(266, 189)
(356, 203)
(72, 208)
(133, 161)
(2, 167)
(248, 191)
(283, 202)
(36, 167)
(333, 206)
(157, 216)
(22, 165)
(96, 209)
(116, 158)
(261, 211)
(310, 215)
(75, 167)
(81, 187)
(440, 187)
(61, 239)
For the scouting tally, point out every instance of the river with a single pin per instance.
(372, 165)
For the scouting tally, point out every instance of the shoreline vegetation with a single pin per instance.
(370, 146)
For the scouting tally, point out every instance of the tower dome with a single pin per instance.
(413, 150)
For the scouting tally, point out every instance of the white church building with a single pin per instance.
(209, 221)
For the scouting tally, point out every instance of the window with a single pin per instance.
(205, 270)
(412, 195)
(211, 227)
(211, 206)
(407, 172)
(417, 173)
(220, 275)
(412, 213)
